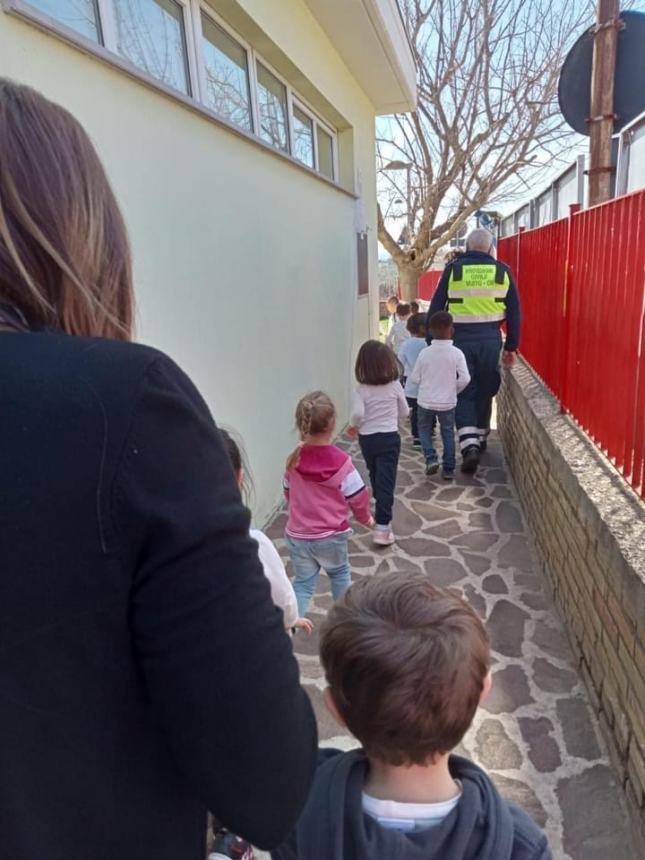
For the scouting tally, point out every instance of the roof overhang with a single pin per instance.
(371, 38)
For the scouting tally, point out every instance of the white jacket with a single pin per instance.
(282, 592)
(441, 373)
(397, 335)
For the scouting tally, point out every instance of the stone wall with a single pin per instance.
(589, 530)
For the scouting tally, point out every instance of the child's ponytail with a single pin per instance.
(315, 413)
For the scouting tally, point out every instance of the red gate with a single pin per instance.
(582, 286)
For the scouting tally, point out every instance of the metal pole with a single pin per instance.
(580, 180)
(409, 196)
(601, 120)
(563, 393)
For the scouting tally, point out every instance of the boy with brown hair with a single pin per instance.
(407, 665)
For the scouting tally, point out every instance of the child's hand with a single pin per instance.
(352, 432)
(304, 624)
(370, 523)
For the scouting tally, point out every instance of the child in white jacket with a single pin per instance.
(441, 374)
(399, 333)
(282, 592)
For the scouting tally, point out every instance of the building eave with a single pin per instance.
(371, 38)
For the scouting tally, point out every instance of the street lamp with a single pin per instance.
(407, 166)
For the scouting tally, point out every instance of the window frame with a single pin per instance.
(42, 19)
(297, 103)
(199, 7)
(302, 105)
(106, 48)
(334, 168)
(334, 145)
(258, 58)
(190, 54)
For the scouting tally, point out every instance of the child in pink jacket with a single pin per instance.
(322, 486)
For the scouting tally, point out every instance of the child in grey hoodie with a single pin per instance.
(407, 665)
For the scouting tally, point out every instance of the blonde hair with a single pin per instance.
(315, 413)
(64, 252)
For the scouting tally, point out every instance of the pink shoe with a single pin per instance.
(383, 537)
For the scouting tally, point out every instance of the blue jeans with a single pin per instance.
(381, 454)
(309, 556)
(446, 421)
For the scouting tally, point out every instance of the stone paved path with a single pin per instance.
(535, 734)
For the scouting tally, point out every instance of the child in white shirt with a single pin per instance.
(399, 331)
(377, 406)
(441, 374)
(282, 592)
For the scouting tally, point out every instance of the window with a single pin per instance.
(325, 153)
(226, 73)
(151, 35)
(80, 15)
(184, 45)
(272, 109)
(303, 137)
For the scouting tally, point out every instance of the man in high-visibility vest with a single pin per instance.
(480, 294)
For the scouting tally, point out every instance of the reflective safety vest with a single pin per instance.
(477, 292)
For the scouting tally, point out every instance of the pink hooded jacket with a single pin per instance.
(321, 490)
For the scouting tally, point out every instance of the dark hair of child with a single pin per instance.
(402, 309)
(440, 324)
(406, 664)
(237, 457)
(414, 307)
(417, 325)
(376, 364)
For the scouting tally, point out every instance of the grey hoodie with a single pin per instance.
(483, 826)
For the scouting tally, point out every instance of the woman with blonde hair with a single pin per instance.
(145, 676)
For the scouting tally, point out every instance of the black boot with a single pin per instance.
(470, 459)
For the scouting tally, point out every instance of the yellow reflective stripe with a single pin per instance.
(474, 305)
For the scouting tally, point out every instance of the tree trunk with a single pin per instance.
(408, 281)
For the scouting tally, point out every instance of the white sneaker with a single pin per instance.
(383, 537)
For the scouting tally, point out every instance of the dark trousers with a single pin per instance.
(381, 454)
(475, 403)
(414, 417)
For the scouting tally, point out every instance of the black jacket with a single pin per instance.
(145, 674)
(483, 826)
(480, 331)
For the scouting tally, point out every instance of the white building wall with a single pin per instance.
(245, 265)
(636, 174)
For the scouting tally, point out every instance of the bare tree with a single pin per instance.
(488, 74)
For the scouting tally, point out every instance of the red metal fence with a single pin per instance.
(428, 284)
(582, 286)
